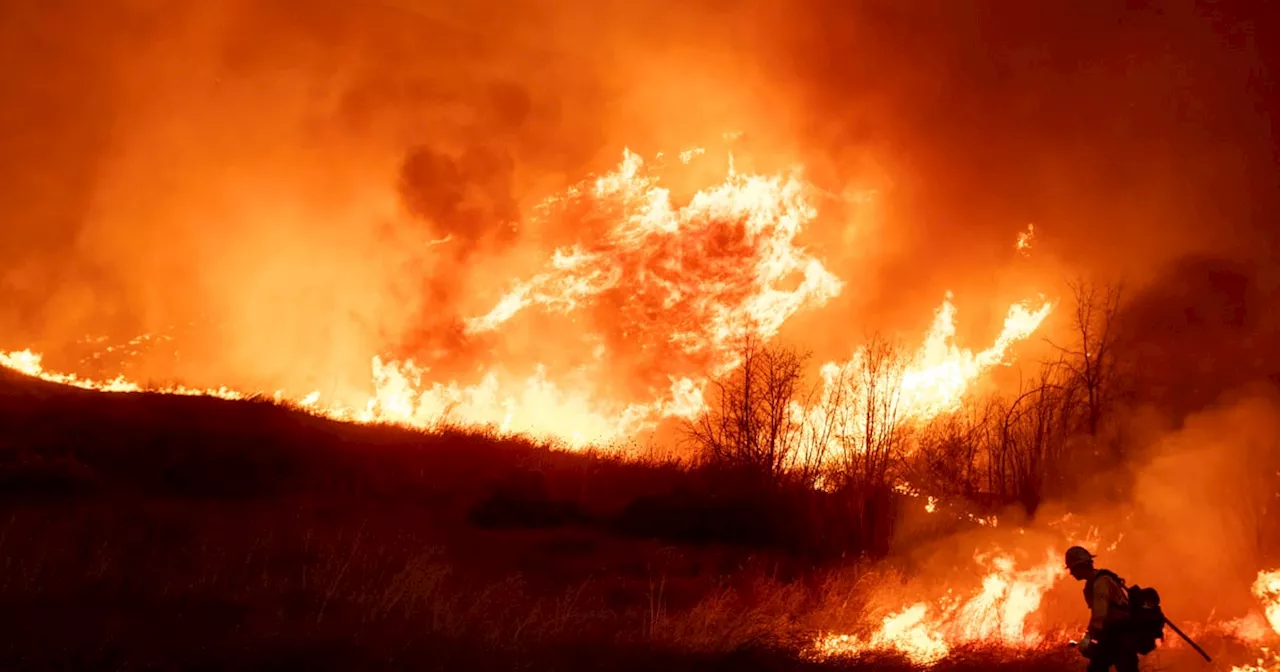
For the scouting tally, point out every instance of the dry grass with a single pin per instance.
(196, 588)
(149, 532)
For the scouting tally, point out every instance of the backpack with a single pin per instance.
(1146, 620)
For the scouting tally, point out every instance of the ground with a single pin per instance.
(159, 532)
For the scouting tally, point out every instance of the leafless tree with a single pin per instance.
(870, 414)
(1033, 435)
(870, 437)
(949, 453)
(1092, 358)
(751, 426)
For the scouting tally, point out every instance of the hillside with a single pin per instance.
(155, 532)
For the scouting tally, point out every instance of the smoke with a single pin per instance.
(312, 183)
(303, 184)
(1201, 504)
(1196, 520)
(1199, 520)
(1201, 329)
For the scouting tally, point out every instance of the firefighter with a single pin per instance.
(1106, 643)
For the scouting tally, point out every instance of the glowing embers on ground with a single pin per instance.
(996, 613)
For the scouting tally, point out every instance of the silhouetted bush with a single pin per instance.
(27, 476)
(523, 500)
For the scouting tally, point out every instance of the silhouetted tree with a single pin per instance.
(1033, 436)
(948, 456)
(868, 418)
(751, 425)
(1092, 357)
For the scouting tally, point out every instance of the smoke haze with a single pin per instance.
(316, 182)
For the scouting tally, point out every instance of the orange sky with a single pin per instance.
(278, 168)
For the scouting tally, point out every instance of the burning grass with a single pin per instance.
(204, 532)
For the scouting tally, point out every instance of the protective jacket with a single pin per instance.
(1108, 601)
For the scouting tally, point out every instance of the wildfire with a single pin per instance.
(719, 263)
(906, 632)
(29, 363)
(687, 283)
(1023, 246)
(995, 613)
(863, 397)
(1001, 611)
(1267, 589)
(684, 283)
(941, 372)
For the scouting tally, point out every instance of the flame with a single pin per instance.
(941, 372)
(1023, 246)
(684, 283)
(931, 382)
(29, 363)
(694, 280)
(1268, 661)
(718, 262)
(691, 281)
(1000, 612)
(997, 612)
(1267, 589)
(905, 632)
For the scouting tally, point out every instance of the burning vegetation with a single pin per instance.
(702, 283)
(735, 397)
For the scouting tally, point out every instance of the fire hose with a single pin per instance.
(1176, 630)
(1187, 639)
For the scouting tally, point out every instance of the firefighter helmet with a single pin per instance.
(1077, 555)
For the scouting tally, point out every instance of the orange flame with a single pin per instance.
(725, 265)
(1023, 246)
(933, 381)
(29, 363)
(1267, 589)
(728, 265)
(715, 268)
(905, 632)
(997, 612)
(719, 262)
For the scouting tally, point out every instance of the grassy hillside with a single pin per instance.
(154, 532)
